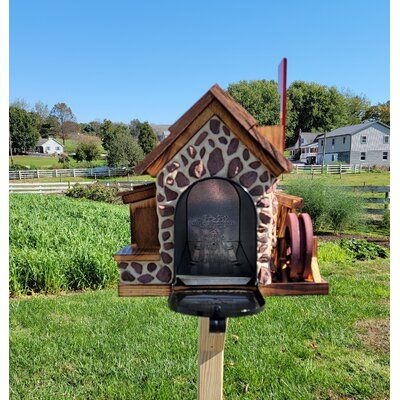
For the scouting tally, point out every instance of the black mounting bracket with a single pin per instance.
(217, 325)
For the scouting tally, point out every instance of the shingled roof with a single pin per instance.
(239, 114)
(353, 129)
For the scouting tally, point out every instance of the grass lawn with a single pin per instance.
(365, 178)
(71, 144)
(41, 162)
(94, 345)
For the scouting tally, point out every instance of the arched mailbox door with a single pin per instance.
(215, 251)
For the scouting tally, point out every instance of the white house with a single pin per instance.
(49, 146)
(306, 148)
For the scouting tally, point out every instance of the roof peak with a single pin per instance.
(214, 96)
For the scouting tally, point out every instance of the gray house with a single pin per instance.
(366, 143)
(49, 146)
(306, 147)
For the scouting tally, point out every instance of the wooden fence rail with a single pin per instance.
(95, 173)
(61, 187)
(327, 168)
(383, 192)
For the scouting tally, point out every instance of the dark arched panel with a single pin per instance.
(215, 234)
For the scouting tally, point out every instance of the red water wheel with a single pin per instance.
(299, 246)
(306, 244)
(293, 247)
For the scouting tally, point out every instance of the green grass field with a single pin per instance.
(50, 162)
(58, 243)
(94, 345)
(71, 144)
(32, 162)
(363, 179)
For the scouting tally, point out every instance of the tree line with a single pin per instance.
(311, 107)
(126, 144)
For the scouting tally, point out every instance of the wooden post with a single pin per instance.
(211, 362)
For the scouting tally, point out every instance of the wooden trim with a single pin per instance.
(180, 142)
(144, 203)
(133, 253)
(274, 134)
(178, 137)
(289, 201)
(125, 290)
(140, 193)
(274, 289)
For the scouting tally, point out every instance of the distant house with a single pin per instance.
(49, 146)
(161, 131)
(366, 143)
(306, 148)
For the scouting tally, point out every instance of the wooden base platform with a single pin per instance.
(274, 289)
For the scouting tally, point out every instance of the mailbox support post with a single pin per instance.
(211, 362)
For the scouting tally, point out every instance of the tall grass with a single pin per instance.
(57, 243)
(328, 206)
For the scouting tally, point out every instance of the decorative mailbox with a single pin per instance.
(212, 231)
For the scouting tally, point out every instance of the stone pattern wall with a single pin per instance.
(213, 151)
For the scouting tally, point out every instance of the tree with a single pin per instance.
(70, 127)
(91, 128)
(259, 97)
(64, 114)
(87, 151)
(20, 103)
(123, 150)
(356, 106)
(134, 128)
(316, 108)
(379, 112)
(42, 110)
(23, 132)
(147, 139)
(49, 127)
(109, 129)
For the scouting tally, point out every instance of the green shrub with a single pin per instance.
(315, 199)
(344, 209)
(328, 206)
(332, 252)
(386, 220)
(17, 167)
(363, 250)
(87, 151)
(58, 243)
(95, 192)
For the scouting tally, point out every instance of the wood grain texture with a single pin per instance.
(133, 253)
(125, 290)
(146, 228)
(210, 362)
(274, 134)
(274, 289)
(139, 193)
(289, 201)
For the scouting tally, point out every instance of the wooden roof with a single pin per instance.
(139, 193)
(162, 153)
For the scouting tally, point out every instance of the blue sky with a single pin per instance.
(152, 59)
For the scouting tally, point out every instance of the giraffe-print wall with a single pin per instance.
(214, 151)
